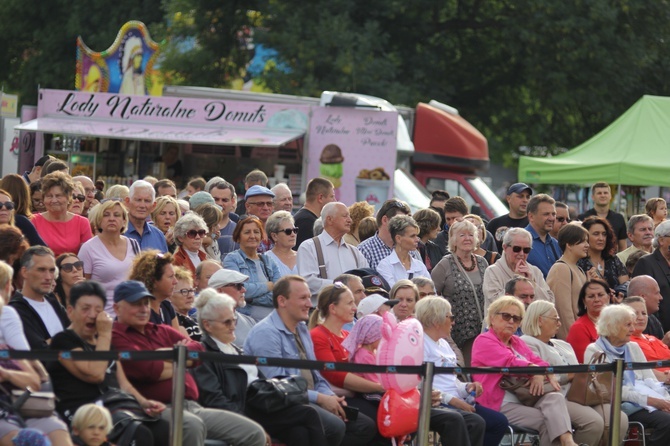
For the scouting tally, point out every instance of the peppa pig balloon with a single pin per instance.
(401, 344)
(398, 414)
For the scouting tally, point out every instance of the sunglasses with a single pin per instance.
(267, 204)
(452, 318)
(519, 249)
(68, 267)
(288, 231)
(563, 219)
(228, 322)
(187, 291)
(509, 317)
(237, 286)
(79, 197)
(193, 233)
(7, 204)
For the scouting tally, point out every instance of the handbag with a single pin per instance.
(116, 400)
(518, 385)
(274, 394)
(29, 404)
(592, 388)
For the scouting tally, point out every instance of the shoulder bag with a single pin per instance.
(592, 388)
(518, 385)
(274, 394)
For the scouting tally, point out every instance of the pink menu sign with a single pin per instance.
(356, 150)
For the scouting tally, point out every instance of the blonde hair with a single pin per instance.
(90, 415)
(531, 323)
(98, 214)
(6, 275)
(117, 191)
(163, 201)
(504, 302)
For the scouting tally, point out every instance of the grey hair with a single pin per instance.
(118, 191)
(274, 222)
(318, 226)
(510, 286)
(531, 322)
(223, 185)
(431, 311)
(189, 221)
(399, 223)
(201, 265)
(37, 250)
(635, 219)
(212, 181)
(209, 302)
(281, 186)
(423, 281)
(662, 230)
(514, 232)
(462, 226)
(330, 209)
(612, 318)
(139, 185)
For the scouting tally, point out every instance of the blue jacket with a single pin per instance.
(270, 338)
(257, 288)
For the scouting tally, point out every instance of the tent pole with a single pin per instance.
(618, 206)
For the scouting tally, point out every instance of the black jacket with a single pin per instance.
(221, 386)
(656, 266)
(33, 327)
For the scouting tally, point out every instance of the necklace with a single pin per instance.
(471, 267)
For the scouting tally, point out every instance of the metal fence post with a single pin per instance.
(615, 410)
(178, 383)
(426, 404)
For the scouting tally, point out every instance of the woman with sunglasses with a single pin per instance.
(335, 308)
(78, 199)
(62, 230)
(212, 215)
(70, 272)
(500, 347)
(574, 242)
(263, 272)
(224, 385)
(593, 298)
(109, 255)
(165, 216)
(283, 233)
(183, 298)
(156, 271)
(16, 188)
(189, 232)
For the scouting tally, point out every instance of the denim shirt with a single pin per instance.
(257, 288)
(270, 338)
(151, 238)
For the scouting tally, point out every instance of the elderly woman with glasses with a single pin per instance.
(400, 264)
(60, 229)
(459, 277)
(283, 233)
(500, 347)
(539, 327)
(109, 255)
(224, 385)
(657, 265)
(593, 298)
(183, 298)
(435, 316)
(189, 233)
(654, 349)
(263, 272)
(644, 398)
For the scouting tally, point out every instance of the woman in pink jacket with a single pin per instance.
(499, 347)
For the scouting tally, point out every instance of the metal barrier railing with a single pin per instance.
(180, 355)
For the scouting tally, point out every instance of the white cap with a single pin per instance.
(224, 277)
(371, 303)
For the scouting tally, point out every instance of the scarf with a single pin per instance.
(622, 352)
(367, 330)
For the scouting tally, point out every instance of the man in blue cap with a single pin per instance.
(258, 201)
(153, 379)
(518, 196)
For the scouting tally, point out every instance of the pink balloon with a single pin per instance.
(401, 344)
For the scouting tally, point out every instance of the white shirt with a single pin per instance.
(11, 329)
(337, 258)
(252, 370)
(48, 316)
(442, 355)
(392, 269)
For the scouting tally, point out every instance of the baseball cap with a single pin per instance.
(200, 198)
(258, 190)
(517, 188)
(371, 303)
(224, 277)
(375, 284)
(130, 291)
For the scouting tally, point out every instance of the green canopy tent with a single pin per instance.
(634, 150)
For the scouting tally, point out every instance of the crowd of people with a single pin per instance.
(148, 267)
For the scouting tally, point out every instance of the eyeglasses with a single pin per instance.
(451, 317)
(79, 197)
(7, 204)
(187, 291)
(288, 231)
(563, 219)
(237, 286)
(68, 267)
(510, 317)
(228, 322)
(519, 249)
(556, 319)
(193, 233)
(267, 204)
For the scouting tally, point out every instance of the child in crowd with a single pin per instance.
(362, 344)
(90, 425)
